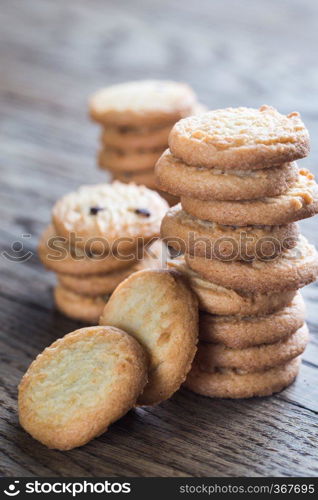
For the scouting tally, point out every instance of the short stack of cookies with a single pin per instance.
(241, 195)
(136, 119)
(98, 237)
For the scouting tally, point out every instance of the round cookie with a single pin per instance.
(110, 213)
(299, 202)
(189, 234)
(159, 310)
(252, 359)
(134, 139)
(215, 299)
(248, 331)
(144, 103)
(292, 269)
(143, 178)
(79, 307)
(57, 254)
(120, 161)
(243, 138)
(80, 384)
(201, 183)
(233, 384)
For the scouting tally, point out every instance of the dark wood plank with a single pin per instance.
(54, 54)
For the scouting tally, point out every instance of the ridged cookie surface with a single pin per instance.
(180, 179)
(79, 385)
(200, 237)
(229, 383)
(216, 299)
(242, 332)
(114, 212)
(291, 270)
(157, 308)
(242, 138)
(299, 202)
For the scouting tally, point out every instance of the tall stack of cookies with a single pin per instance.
(136, 119)
(241, 195)
(98, 237)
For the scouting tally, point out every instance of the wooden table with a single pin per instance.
(54, 54)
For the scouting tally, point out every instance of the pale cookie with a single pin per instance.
(248, 331)
(202, 183)
(80, 384)
(142, 103)
(219, 300)
(120, 161)
(233, 384)
(243, 138)
(57, 254)
(292, 269)
(299, 202)
(134, 139)
(189, 234)
(112, 212)
(143, 178)
(79, 307)
(158, 309)
(252, 359)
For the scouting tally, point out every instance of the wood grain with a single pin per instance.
(53, 55)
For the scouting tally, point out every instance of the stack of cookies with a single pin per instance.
(241, 195)
(137, 118)
(98, 236)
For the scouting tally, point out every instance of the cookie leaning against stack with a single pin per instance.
(241, 195)
(97, 238)
(137, 118)
(91, 377)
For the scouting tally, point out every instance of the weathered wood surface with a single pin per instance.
(53, 55)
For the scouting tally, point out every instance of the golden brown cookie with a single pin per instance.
(189, 234)
(121, 161)
(243, 138)
(255, 358)
(234, 384)
(242, 332)
(299, 202)
(134, 139)
(219, 300)
(180, 179)
(144, 103)
(58, 254)
(292, 269)
(159, 310)
(80, 384)
(112, 213)
(80, 307)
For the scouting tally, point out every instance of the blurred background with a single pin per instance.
(54, 54)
